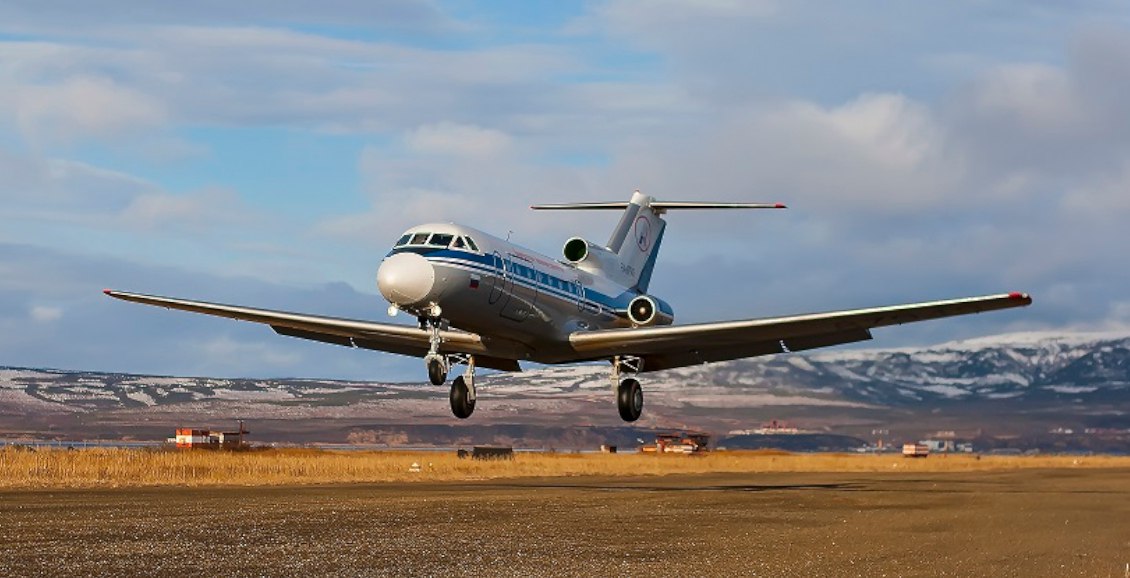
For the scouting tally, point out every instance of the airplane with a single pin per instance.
(481, 301)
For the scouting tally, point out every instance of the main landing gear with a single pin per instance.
(463, 395)
(629, 394)
(438, 364)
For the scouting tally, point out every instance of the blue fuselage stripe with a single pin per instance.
(486, 264)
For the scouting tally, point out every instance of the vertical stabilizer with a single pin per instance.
(636, 239)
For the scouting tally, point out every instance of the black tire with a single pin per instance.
(629, 399)
(436, 374)
(462, 406)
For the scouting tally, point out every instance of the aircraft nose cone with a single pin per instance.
(405, 278)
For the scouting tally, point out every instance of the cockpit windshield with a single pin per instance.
(438, 240)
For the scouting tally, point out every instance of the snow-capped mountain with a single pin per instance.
(1037, 367)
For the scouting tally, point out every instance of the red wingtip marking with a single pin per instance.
(1016, 295)
(781, 206)
(106, 291)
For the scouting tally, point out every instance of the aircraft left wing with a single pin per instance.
(402, 339)
(682, 345)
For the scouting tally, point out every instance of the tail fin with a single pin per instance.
(635, 240)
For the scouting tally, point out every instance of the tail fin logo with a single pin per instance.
(643, 233)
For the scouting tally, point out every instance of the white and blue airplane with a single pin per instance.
(482, 301)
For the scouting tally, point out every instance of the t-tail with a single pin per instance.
(629, 257)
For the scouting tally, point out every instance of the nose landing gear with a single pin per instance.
(437, 369)
(438, 364)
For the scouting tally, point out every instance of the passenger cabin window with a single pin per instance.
(418, 239)
(404, 240)
(441, 239)
(471, 244)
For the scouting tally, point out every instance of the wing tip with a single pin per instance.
(1025, 298)
(109, 292)
(779, 206)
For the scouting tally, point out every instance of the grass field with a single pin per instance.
(146, 467)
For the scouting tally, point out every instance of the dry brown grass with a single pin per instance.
(130, 468)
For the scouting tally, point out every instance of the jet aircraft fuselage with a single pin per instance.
(528, 302)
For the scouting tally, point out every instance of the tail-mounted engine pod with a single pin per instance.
(576, 249)
(642, 310)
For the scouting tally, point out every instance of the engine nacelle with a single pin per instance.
(589, 256)
(576, 250)
(646, 310)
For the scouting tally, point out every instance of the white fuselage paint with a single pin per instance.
(525, 301)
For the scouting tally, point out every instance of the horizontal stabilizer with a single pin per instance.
(657, 205)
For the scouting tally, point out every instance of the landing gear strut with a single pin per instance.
(629, 394)
(438, 365)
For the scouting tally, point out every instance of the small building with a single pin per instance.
(188, 438)
(939, 446)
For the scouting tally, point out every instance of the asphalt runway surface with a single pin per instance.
(1072, 522)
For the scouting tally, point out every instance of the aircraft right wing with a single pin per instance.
(682, 345)
(402, 339)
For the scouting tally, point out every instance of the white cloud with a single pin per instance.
(978, 158)
(81, 107)
(45, 314)
(205, 209)
(55, 185)
(457, 139)
(420, 16)
(1037, 96)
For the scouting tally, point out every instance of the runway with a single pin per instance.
(1059, 522)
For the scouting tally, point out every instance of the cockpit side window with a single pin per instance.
(471, 244)
(458, 243)
(440, 240)
(418, 239)
(404, 240)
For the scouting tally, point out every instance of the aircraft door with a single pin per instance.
(501, 282)
(519, 300)
(582, 303)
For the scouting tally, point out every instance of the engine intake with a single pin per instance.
(576, 249)
(643, 311)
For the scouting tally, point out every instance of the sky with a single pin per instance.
(267, 153)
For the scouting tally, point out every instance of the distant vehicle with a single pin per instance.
(678, 443)
(915, 450)
(482, 301)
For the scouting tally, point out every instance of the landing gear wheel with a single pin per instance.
(629, 399)
(461, 403)
(437, 373)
